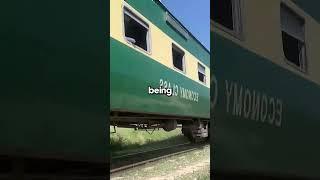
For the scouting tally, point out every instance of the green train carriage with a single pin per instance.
(266, 91)
(149, 47)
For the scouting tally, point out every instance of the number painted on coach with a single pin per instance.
(180, 91)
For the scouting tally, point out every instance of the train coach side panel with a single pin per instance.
(267, 118)
(131, 73)
(133, 70)
(156, 14)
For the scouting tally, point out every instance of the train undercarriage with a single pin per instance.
(195, 129)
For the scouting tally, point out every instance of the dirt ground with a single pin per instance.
(193, 165)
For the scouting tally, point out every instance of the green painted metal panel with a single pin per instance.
(244, 145)
(53, 83)
(131, 72)
(156, 14)
(311, 7)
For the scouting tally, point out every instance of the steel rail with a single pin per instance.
(193, 147)
(151, 150)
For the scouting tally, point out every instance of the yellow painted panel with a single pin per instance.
(262, 35)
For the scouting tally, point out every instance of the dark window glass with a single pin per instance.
(177, 56)
(293, 40)
(201, 73)
(201, 77)
(222, 12)
(292, 48)
(135, 32)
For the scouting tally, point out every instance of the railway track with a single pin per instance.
(123, 162)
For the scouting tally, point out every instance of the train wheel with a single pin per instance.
(196, 132)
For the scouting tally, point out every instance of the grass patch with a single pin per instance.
(127, 139)
(203, 174)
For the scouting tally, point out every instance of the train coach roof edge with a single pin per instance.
(167, 10)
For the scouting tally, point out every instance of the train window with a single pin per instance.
(201, 73)
(227, 14)
(293, 41)
(178, 58)
(136, 31)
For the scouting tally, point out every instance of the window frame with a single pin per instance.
(237, 32)
(135, 16)
(304, 62)
(177, 48)
(204, 74)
